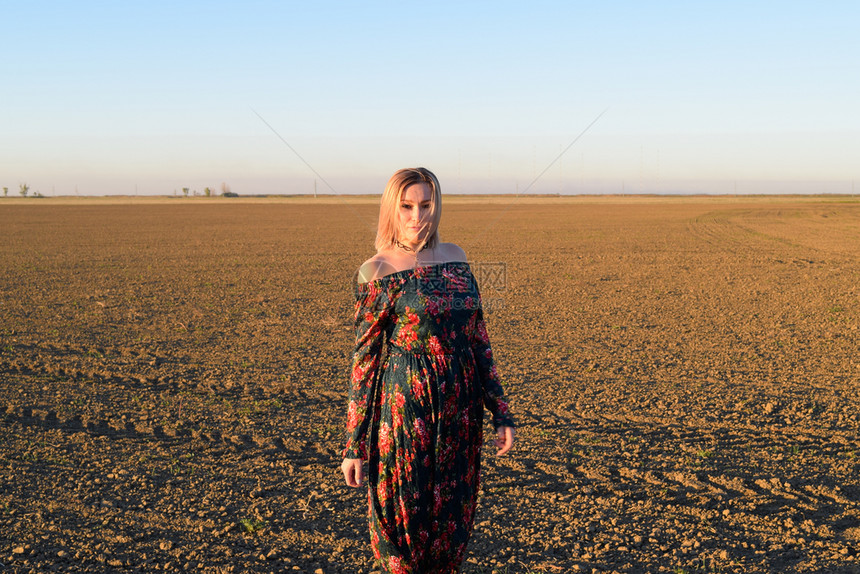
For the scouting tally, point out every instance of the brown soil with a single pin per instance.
(684, 374)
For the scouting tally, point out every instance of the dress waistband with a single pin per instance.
(421, 352)
(392, 350)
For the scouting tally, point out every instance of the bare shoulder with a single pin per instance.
(377, 266)
(452, 252)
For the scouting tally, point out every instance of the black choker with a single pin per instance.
(409, 249)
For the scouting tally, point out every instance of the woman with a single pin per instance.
(422, 372)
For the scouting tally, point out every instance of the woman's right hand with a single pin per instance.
(505, 439)
(353, 471)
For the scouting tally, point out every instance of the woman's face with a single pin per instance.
(414, 213)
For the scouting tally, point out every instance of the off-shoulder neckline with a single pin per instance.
(409, 271)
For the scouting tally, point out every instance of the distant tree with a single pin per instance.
(207, 192)
(225, 189)
(185, 191)
(5, 191)
(23, 189)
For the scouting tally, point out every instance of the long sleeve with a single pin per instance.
(372, 314)
(494, 395)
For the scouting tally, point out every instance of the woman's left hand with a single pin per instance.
(505, 439)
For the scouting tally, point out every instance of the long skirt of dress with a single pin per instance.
(424, 461)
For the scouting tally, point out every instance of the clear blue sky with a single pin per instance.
(150, 97)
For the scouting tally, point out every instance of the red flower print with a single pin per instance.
(407, 333)
(352, 417)
(483, 337)
(383, 490)
(465, 419)
(384, 439)
(417, 384)
(395, 565)
(421, 409)
(436, 346)
(361, 370)
(421, 433)
(454, 283)
(404, 513)
(433, 305)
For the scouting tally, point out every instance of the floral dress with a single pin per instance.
(416, 412)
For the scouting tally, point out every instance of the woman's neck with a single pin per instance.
(410, 247)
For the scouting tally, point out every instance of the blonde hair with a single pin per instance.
(386, 233)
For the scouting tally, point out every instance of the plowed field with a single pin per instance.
(685, 374)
